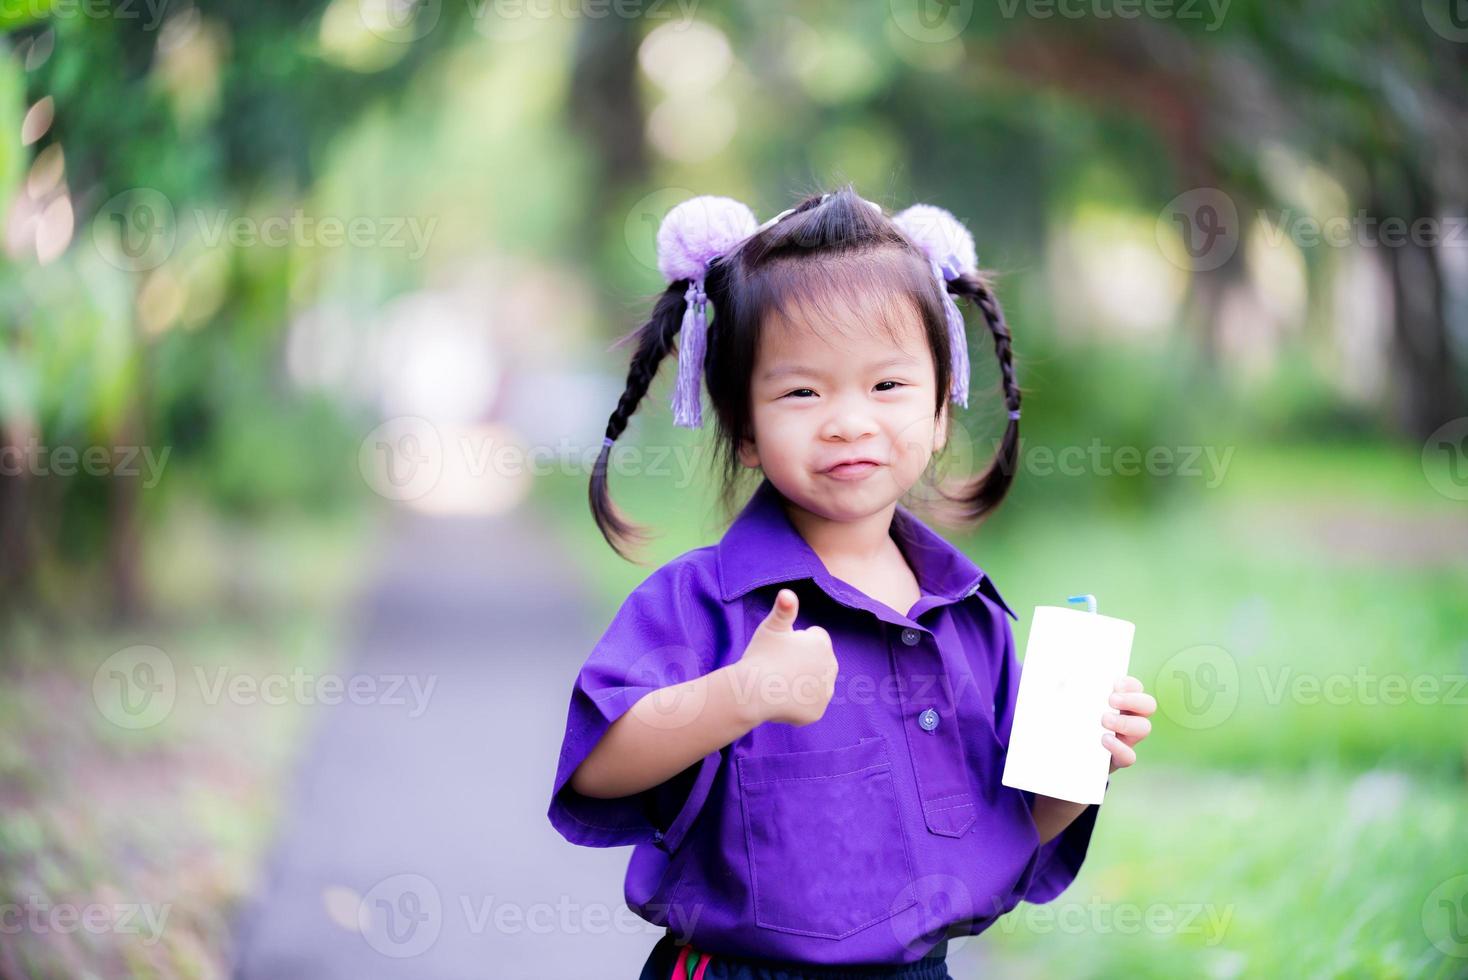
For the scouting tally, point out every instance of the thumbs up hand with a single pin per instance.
(791, 672)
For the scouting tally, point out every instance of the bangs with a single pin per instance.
(885, 290)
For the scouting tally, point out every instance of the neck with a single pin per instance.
(845, 543)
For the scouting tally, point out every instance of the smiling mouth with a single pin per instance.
(852, 471)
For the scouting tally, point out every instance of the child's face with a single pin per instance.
(844, 391)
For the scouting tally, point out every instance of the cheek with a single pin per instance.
(915, 434)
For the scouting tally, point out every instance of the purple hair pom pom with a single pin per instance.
(942, 237)
(691, 236)
(698, 231)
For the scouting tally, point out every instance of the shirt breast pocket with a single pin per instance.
(827, 851)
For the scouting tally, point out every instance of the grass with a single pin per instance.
(1199, 873)
(1294, 778)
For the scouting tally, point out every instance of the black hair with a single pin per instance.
(829, 246)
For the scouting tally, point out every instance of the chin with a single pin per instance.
(848, 502)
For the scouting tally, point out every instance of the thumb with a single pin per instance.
(782, 617)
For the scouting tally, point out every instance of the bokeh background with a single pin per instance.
(306, 314)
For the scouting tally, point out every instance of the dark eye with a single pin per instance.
(798, 391)
(880, 383)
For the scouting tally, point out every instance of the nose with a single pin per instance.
(848, 421)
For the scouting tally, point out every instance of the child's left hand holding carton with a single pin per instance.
(1128, 721)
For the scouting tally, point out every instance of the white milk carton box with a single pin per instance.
(1072, 662)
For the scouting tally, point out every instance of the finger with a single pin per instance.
(781, 618)
(1121, 753)
(1134, 726)
(817, 631)
(1127, 683)
(1137, 702)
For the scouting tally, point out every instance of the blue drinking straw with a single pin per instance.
(1088, 599)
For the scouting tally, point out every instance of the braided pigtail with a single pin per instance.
(949, 247)
(989, 489)
(655, 339)
(691, 238)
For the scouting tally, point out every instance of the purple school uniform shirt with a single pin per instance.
(864, 837)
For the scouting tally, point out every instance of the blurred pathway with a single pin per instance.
(431, 820)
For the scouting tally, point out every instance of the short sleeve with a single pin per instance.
(665, 633)
(1059, 859)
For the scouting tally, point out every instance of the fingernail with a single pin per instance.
(1114, 699)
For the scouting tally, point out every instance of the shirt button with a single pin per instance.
(928, 720)
(657, 836)
(911, 637)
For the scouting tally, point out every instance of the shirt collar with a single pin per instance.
(762, 547)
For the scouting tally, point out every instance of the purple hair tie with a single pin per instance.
(1014, 413)
(691, 236)
(950, 251)
(607, 442)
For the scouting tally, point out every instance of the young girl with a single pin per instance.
(802, 728)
